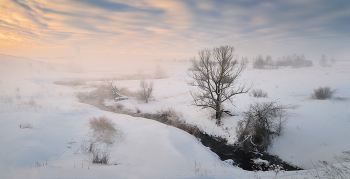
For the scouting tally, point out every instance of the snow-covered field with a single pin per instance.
(43, 125)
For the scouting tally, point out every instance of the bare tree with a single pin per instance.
(324, 61)
(245, 60)
(111, 88)
(215, 74)
(146, 90)
(259, 62)
(112, 91)
(332, 61)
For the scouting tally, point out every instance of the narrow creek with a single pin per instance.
(241, 158)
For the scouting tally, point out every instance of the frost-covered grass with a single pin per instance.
(317, 130)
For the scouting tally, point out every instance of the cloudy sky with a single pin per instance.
(166, 29)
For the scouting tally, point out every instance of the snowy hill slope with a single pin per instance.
(43, 125)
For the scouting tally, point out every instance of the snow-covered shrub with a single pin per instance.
(26, 126)
(258, 93)
(103, 129)
(118, 106)
(145, 92)
(262, 122)
(170, 116)
(110, 88)
(96, 155)
(322, 93)
(99, 157)
(106, 90)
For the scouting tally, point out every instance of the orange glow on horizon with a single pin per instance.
(155, 29)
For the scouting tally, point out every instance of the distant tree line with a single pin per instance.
(295, 61)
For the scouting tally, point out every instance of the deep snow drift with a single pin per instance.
(43, 125)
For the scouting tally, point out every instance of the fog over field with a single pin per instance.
(174, 89)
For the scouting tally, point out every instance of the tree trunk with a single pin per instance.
(218, 109)
(218, 117)
(218, 114)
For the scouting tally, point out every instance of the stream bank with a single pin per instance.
(247, 160)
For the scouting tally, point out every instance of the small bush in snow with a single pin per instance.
(322, 93)
(172, 118)
(26, 126)
(103, 129)
(262, 122)
(119, 107)
(99, 157)
(258, 93)
(110, 88)
(145, 92)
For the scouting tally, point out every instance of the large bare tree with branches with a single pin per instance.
(215, 73)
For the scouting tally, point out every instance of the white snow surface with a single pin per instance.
(57, 123)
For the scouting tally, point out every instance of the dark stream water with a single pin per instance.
(241, 158)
